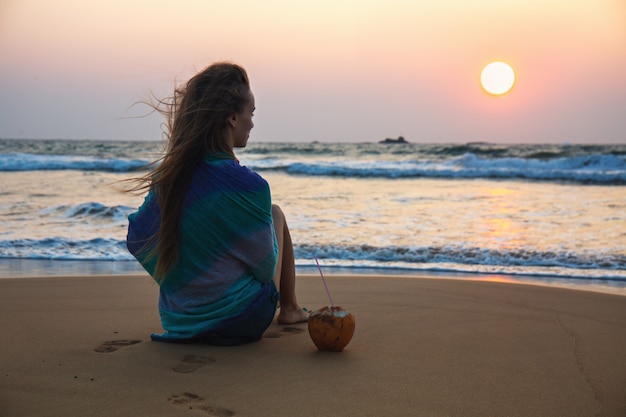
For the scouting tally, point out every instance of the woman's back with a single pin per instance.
(227, 246)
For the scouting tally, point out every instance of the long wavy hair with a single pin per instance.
(197, 116)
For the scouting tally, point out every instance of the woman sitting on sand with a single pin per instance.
(207, 231)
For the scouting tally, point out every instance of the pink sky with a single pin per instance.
(325, 70)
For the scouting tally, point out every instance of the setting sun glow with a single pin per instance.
(376, 67)
(497, 78)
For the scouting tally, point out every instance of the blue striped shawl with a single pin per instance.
(227, 248)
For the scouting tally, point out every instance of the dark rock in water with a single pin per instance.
(399, 140)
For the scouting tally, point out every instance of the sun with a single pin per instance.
(497, 78)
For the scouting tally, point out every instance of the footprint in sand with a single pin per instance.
(196, 402)
(191, 363)
(286, 330)
(114, 345)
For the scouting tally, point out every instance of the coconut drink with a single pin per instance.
(331, 328)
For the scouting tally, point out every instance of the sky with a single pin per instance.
(328, 70)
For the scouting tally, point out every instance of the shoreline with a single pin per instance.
(80, 346)
(74, 268)
(464, 277)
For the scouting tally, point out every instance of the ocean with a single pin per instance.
(548, 213)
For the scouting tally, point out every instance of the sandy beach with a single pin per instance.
(80, 346)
